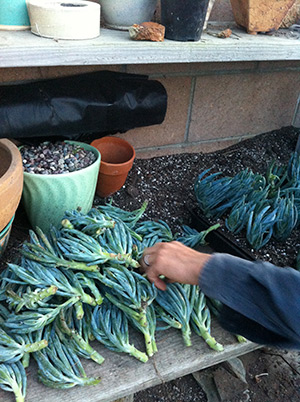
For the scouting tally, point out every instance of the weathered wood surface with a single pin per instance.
(123, 375)
(24, 49)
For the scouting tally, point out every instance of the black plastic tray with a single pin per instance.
(217, 240)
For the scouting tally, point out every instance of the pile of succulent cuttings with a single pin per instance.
(80, 283)
(262, 206)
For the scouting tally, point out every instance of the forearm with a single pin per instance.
(259, 291)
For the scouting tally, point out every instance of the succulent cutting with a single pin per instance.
(80, 283)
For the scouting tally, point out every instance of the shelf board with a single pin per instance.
(24, 49)
(123, 375)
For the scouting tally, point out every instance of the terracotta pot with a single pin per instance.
(11, 181)
(117, 157)
(260, 16)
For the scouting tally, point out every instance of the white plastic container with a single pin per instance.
(77, 19)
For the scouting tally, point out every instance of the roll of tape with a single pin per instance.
(77, 19)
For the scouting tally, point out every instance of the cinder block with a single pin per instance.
(229, 106)
(190, 68)
(279, 64)
(228, 67)
(36, 73)
(157, 69)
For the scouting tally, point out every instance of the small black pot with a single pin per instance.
(183, 19)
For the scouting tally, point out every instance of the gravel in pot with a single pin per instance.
(55, 158)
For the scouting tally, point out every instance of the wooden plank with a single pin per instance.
(24, 49)
(122, 375)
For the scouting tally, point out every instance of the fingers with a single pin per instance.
(147, 258)
(153, 277)
(159, 283)
(145, 262)
(147, 266)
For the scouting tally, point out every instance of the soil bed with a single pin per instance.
(167, 183)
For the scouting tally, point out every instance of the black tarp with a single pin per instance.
(75, 107)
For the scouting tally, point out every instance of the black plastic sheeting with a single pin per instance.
(88, 105)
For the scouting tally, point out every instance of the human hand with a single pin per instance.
(175, 261)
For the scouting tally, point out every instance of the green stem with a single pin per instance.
(167, 318)
(43, 294)
(94, 355)
(79, 310)
(143, 318)
(26, 360)
(186, 334)
(148, 343)
(154, 345)
(19, 396)
(17, 390)
(127, 258)
(212, 343)
(77, 265)
(133, 313)
(241, 338)
(85, 298)
(34, 347)
(90, 381)
(55, 260)
(141, 356)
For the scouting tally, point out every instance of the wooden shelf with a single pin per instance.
(24, 49)
(123, 375)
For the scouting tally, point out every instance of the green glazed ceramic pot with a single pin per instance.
(47, 197)
(4, 236)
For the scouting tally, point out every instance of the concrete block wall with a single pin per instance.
(214, 105)
(210, 105)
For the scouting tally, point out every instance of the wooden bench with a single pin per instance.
(123, 375)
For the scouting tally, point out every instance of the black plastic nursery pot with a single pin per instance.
(183, 19)
(217, 239)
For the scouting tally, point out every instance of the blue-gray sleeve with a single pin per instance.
(260, 301)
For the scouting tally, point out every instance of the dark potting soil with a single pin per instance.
(167, 183)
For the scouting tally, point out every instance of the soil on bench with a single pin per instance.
(167, 183)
